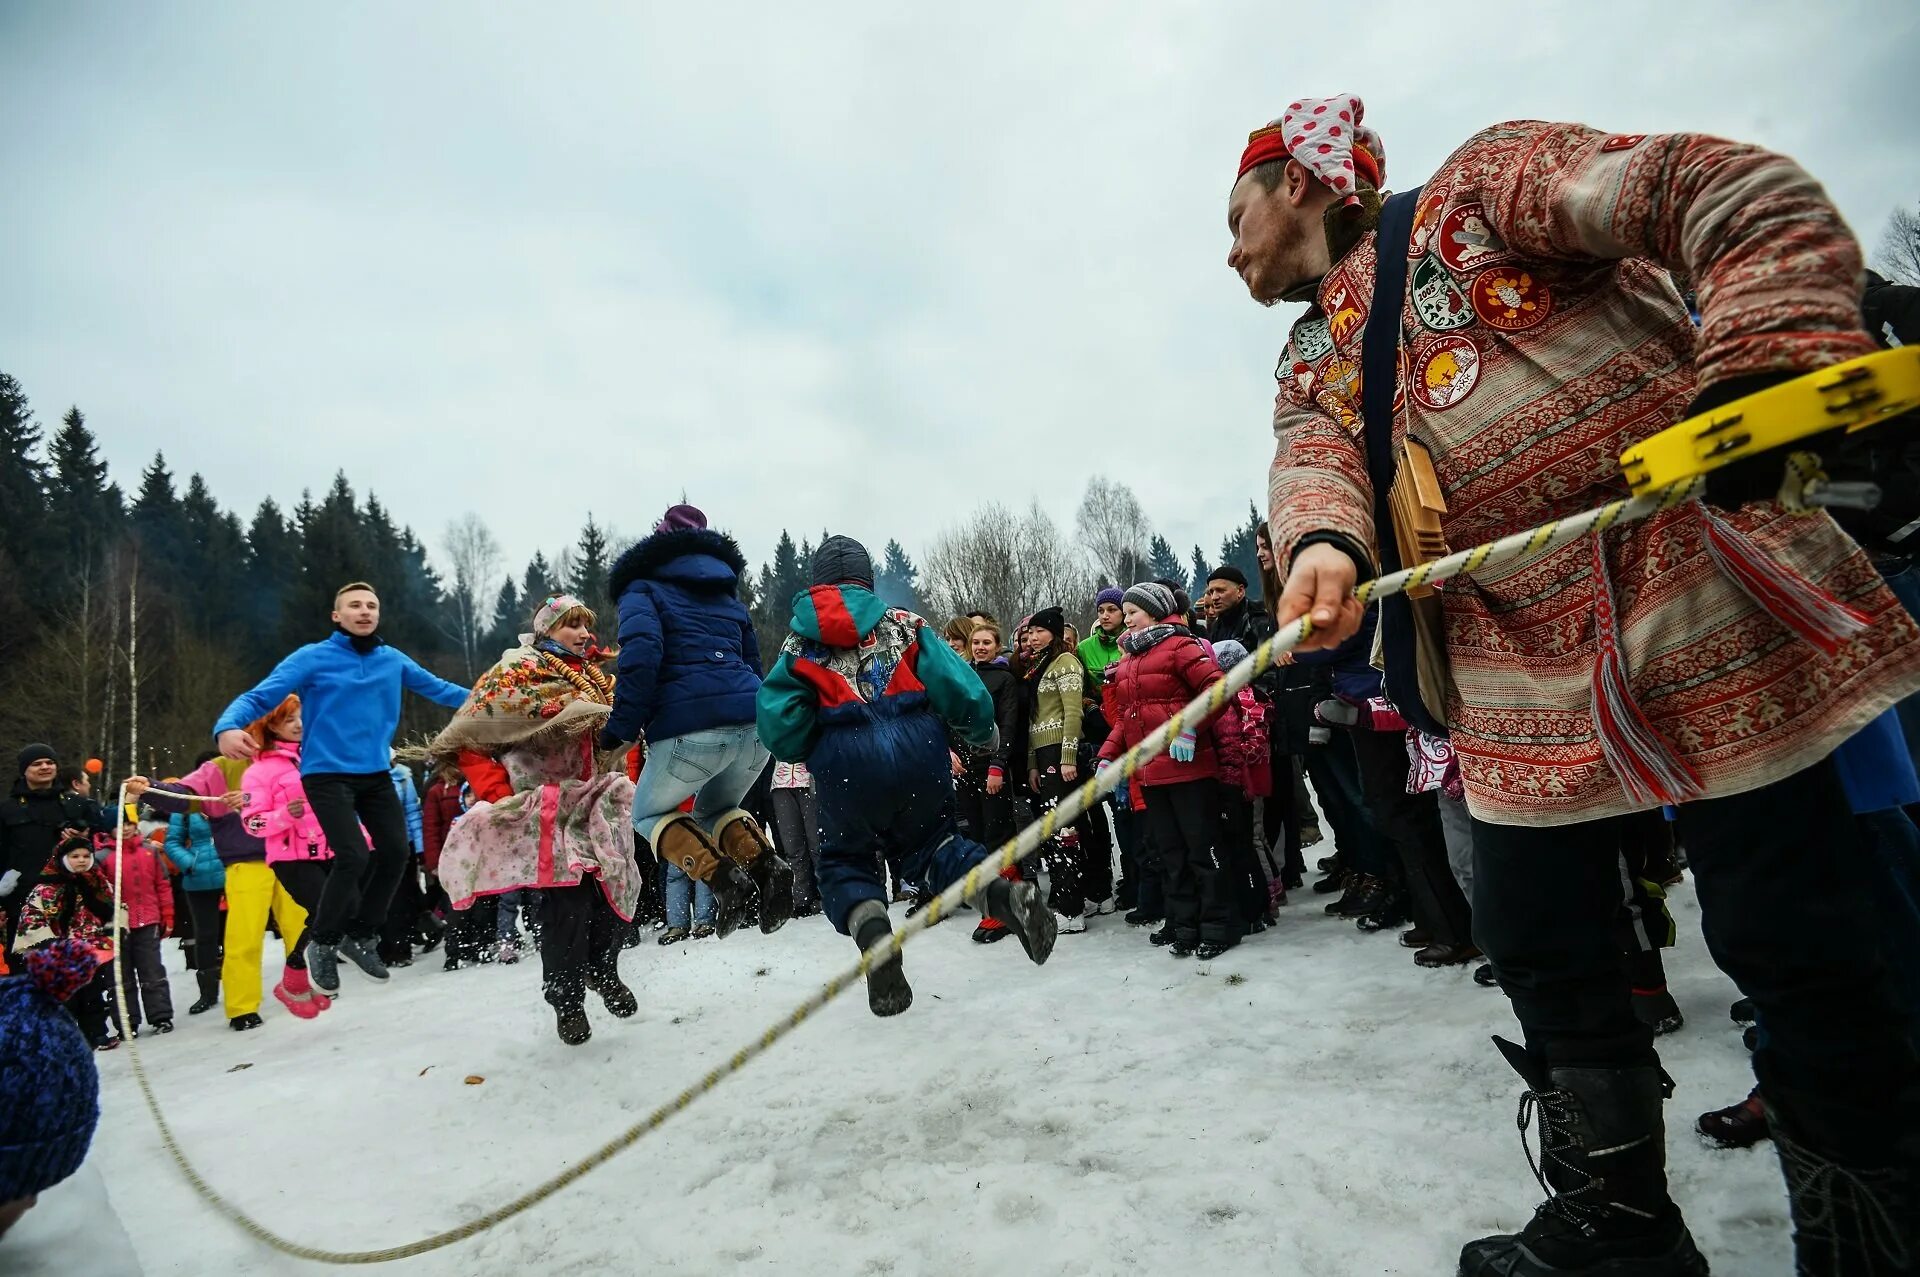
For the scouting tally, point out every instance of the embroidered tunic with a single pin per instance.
(1542, 336)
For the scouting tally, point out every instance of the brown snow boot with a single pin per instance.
(684, 845)
(743, 841)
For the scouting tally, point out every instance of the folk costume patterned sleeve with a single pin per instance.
(1775, 270)
(1542, 335)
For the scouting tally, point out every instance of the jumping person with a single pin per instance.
(859, 693)
(549, 815)
(1540, 336)
(688, 672)
(349, 684)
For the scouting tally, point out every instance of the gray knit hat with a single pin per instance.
(1154, 599)
(842, 561)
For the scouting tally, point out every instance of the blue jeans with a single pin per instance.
(715, 768)
(683, 891)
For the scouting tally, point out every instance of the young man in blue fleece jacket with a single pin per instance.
(859, 698)
(349, 688)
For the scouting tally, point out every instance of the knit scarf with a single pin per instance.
(1134, 642)
(531, 696)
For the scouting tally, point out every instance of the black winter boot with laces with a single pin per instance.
(1603, 1166)
(1849, 1219)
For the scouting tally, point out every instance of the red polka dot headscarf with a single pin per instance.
(1326, 136)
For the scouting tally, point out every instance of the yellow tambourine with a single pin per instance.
(1853, 396)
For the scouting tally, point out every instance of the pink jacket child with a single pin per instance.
(144, 884)
(1241, 733)
(271, 785)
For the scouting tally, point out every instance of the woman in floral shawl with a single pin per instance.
(549, 815)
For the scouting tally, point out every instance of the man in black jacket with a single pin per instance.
(1230, 614)
(31, 825)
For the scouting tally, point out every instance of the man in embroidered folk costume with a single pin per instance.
(1539, 336)
(862, 693)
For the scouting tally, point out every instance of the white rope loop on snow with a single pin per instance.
(1547, 536)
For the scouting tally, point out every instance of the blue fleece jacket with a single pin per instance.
(350, 702)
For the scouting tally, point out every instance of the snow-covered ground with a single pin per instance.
(1312, 1103)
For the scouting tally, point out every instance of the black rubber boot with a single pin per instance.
(1018, 906)
(1602, 1163)
(619, 999)
(888, 992)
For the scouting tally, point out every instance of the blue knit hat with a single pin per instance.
(49, 1086)
(1112, 594)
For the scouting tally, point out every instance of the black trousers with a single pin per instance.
(306, 881)
(796, 824)
(209, 940)
(396, 934)
(1410, 823)
(470, 932)
(1068, 858)
(1247, 877)
(579, 942)
(362, 883)
(1188, 829)
(1786, 910)
(143, 978)
(94, 1005)
(1335, 773)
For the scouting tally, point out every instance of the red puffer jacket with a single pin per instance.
(144, 884)
(1147, 688)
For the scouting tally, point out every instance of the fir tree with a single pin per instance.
(1162, 563)
(1198, 581)
(1241, 550)
(83, 507)
(897, 581)
(591, 559)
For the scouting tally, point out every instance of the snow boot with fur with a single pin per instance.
(1603, 1164)
(742, 841)
(686, 846)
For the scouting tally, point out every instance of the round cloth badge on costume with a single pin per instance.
(1510, 299)
(1438, 300)
(1446, 370)
(1467, 242)
(1312, 341)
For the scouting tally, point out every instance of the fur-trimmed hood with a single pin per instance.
(694, 557)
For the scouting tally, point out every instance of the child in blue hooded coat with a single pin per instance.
(864, 702)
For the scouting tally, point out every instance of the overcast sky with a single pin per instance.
(858, 266)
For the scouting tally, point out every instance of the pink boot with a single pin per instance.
(296, 992)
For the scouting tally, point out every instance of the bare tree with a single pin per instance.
(1113, 529)
(475, 556)
(1899, 255)
(1004, 563)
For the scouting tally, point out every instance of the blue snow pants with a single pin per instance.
(885, 792)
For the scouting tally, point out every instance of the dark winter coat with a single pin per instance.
(688, 658)
(1004, 686)
(30, 825)
(1148, 688)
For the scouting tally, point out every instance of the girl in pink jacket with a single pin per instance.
(274, 808)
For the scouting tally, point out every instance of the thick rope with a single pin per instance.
(1547, 536)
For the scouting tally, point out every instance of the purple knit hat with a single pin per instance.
(681, 518)
(1112, 594)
